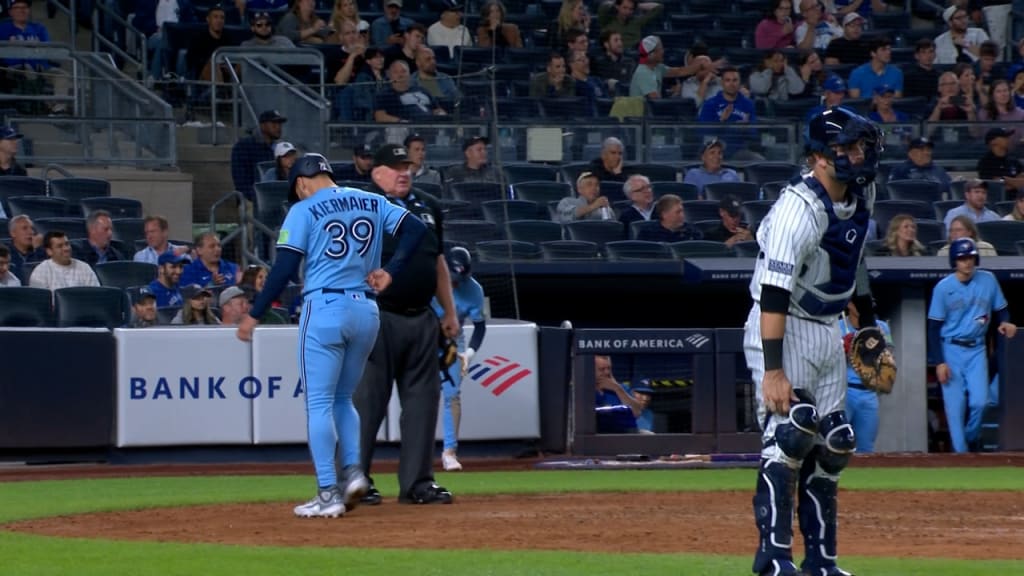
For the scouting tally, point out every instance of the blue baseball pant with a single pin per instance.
(862, 410)
(968, 374)
(451, 385)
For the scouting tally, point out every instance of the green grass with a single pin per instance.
(22, 554)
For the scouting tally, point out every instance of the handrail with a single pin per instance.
(56, 168)
(72, 15)
(245, 221)
(101, 41)
(44, 51)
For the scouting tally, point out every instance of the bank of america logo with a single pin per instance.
(698, 340)
(497, 374)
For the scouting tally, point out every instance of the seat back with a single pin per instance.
(75, 189)
(701, 249)
(124, 274)
(748, 249)
(11, 186)
(128, 230)
(22, 306)
(515, 173)
(271, 197)
(118, 207)
(569, 250)
(919, 190)
(36, 207)
(596, 231)
(73, 228)
(535, 231)
(1002, 235)
(507, 250)
(761, 172)
(541, 191)
(477, 191)
(744, 191)
(886, 209)
(91, 306)
(686, 191)
(625, 250)
(654, 172)
(697, 210)
(502, 211)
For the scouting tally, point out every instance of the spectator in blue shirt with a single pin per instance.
(729, 105)
(919, 165)
(387, 29)
(155, 228)
(834, 92)
(975, 197)
(22, 70)
(877, 72)
(166, 288)
(711, 169)
(209, 269)
(100, 231)
(674, 228)
(881, 106)
(248, 152)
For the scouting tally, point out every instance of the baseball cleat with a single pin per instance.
(327, 503)
(781, 568)
(356, 486)
(450, 462)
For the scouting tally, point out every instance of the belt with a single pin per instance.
(401, 311)
(367, 295)
(963, 342)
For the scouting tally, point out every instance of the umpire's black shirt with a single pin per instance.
(415, 285)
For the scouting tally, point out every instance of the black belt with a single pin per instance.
(403, 311)
(963, 343)
(367, 295)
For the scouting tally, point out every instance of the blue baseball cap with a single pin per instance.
(643, 385)
(141, 293)
(8, 133)
(884, 89)
(834, 84)
(170, 258)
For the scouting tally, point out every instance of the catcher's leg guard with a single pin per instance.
(773, 513)
(819, 478)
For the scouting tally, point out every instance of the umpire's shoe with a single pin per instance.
(427, 494)
(372, 496)
(328, 503)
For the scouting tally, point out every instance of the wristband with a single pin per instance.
(469, 354)
(772, 353)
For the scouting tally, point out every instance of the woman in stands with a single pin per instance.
(345, 10)
(902, 238)
(284, 156)
(1000, 106)
(494, 31)
(881, 106)
(812, 72)
(1017, 213)
(970, 84)
(962, 226)
(573, 15)
(301, 25)
(254, 277)
(195, 310)
(776, 80)
(370, 81)
(776, 30)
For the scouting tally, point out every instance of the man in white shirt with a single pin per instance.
(7, 278)
(817, 28)
(155, 228)
(959, 43)
(61, 270)
(449, 30)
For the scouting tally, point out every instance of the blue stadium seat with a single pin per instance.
(755, 211)
(91, 306)
(470, 232)
(36, 207)
(22, 306)
(128, 230)
(516, 173)
(125, 274)
(11, 186)
(654, 172)
(542, 192)
(534, 231)
(886, 209)
(919, 190)
(625, 250)
(701, 249)
(761, 172)
(501, 211)
(697, 210)
(596, 231)
(744, 191)
(706, 226)
(686, 191)
(507, 250)
(637, 228)
(117, 207)
(71, 227)
(569, 250)
(771, 190)
(941, 207)
(748, 249)
(73, 190)
(1003, 235)
(928, 231)
(478, 192)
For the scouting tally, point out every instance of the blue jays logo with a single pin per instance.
(982, 320)
(498, 371)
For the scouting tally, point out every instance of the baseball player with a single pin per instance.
(811, 246)
(861, 401)
(339, 231)
(962, 307)
(469, 303)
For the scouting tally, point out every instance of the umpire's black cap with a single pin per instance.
(307, 166)
(393, 155)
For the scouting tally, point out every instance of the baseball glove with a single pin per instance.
(872, 359)
(449, 352)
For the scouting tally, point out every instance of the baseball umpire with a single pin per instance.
(809, 267)
(406, 348)
(339, 231)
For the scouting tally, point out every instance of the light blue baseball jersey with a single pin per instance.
(340, 231)
(966, 309)
(469, 302)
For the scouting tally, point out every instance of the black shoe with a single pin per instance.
(372, 497)
(428, 494)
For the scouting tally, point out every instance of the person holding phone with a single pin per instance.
(952, 105)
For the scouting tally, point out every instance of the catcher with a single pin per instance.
(862, 398)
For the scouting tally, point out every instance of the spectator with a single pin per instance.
(29, 74)
(901, 239)
(155, 228)
(143, 308)
(284, 157)
(475, 168)
(494, 31)
(960, 43)
(202, 47)
(642, 392)
(263, 33)
(387, 29)
(347, 11)
(998, 164)
(882, 110)
(412, 39)
(672, 218)
(1017, 214)
(572, 16)
(248, 152)
(25, 244)
(812, 72)
(449, 31)
(703, 84)
(359, 170)
(711, 169)
(776, 29)
(729, 105)
(437, 84)
(209, 269)
(587, 87)
(1000, 106)
(610, 393)
(60, 270)
(150, 17)
(921, 79)
(234, 305)
(919, 165)
(401, 101)
(588, 204)
(952, 105)
(732, 229)
(970, 87)
(370, 84)
(638, 189)
(301, 25)
(877, 72)
(608, 167)
(1017, 76)
(986, 68)
(100, 230)
(353, 50)
(849, 48)
(975, 197)
(864, 8)
(833, 95)
(8, 149)
(649, 74)
(417, 148)
(861, 401)
(7, 278)
(165, 288)
(244, 6)
(253, 279)
(776, 80)
(612, 65)
(621, 16)
(553, 82)
(817, 29)
(963, 226)
(195, 308)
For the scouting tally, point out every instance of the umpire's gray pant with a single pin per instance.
(406, 352)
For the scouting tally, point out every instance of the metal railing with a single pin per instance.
(100, 42)
(50, 52)
(70, 12)
(247, 226)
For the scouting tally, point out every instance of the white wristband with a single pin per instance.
(469, 354)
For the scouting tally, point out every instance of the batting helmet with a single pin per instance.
(307, 166)
(963, 247)
(459, 264)
(840, 126)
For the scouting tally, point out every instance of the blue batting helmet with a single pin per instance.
(459, 264)
(963, 247)
(308, 165)
(840, 126)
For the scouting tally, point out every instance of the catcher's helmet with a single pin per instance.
(308, 165)
(963, 247)
(840, 126)
(459, 264)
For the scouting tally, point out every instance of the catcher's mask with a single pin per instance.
(841, 127)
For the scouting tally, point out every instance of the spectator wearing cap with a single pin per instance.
(710, 169)
(921, 79)
(612, 65)
(776, 29)
(627, 18)
(209, 269)
(401, 101)
(588, 204)
(143, 308)
(301, 25)
(168, 273)
(25, 71)
(730, 105)
(475, 168)
(651, 71)
(1017, 214)
(195, 307)
(412, 39)
(919, 166)
(1000, 105)
(285, 154)
(150, 17)
(9, 166)
(866, 77)
(833, 93)
(234, 305)
(817, 28)
(881, 106)
(362, 165)
(960, 43)
(672, 218)
(60, 270)
(608, 167)
(975, 198)
(449, 31)
(155, 229)
(998, 163)
(776, 80)
(438, 84)
(248, 152)
(204, 44)
(7, 278)
(952, 105)
(732, 229)
(263, 33)
(848, 48)
(387, 29)
(493, 30)
(421, 173)
(553, 82)
(641, 196)
(642, 392)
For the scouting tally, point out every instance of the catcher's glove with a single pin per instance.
(449, 352)
(872, 359)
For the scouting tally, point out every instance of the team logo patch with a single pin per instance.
(282, 237)
(780, 267)
(851, 236)
(499, 372)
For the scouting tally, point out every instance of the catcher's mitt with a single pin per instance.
(872, 359)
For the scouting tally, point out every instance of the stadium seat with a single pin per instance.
(271, 198)
(534, 231)
(435, 190)
(886, 209)
(928, 231)
(873, 247)
(792, 109)
(637, 250)
(471, 231)
(91, 306)
(118, 207)
(36, 207)
(771, 190)
(165, 314)
(1002, 234)
(918, 190)
(612, 190)
(516, 173)
(21, 306)
(75, 189)
(507, 250)
(541, 192)
(1005, 207)
(674, 108)
(1020, 247)
(564, 108)
(11, 186)
(128, 230)
(637, 228)
(744, 191)
(262, 167)
(941, 207)
(517, 108)
(569, 250)
(755, 211)
(761, 172)
(478, 191)
(71, 227)
(706, 226)
(697, 210)
(654, 172)
(688, 192)
(461, 210)
(26, 272)
(572, 171)
(701, 249)
(125, 274)
(596, 231)
(501, 211)
(748, 249)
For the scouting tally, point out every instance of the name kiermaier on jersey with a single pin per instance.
(695, 341)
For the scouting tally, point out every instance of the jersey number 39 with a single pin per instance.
(360, 230)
